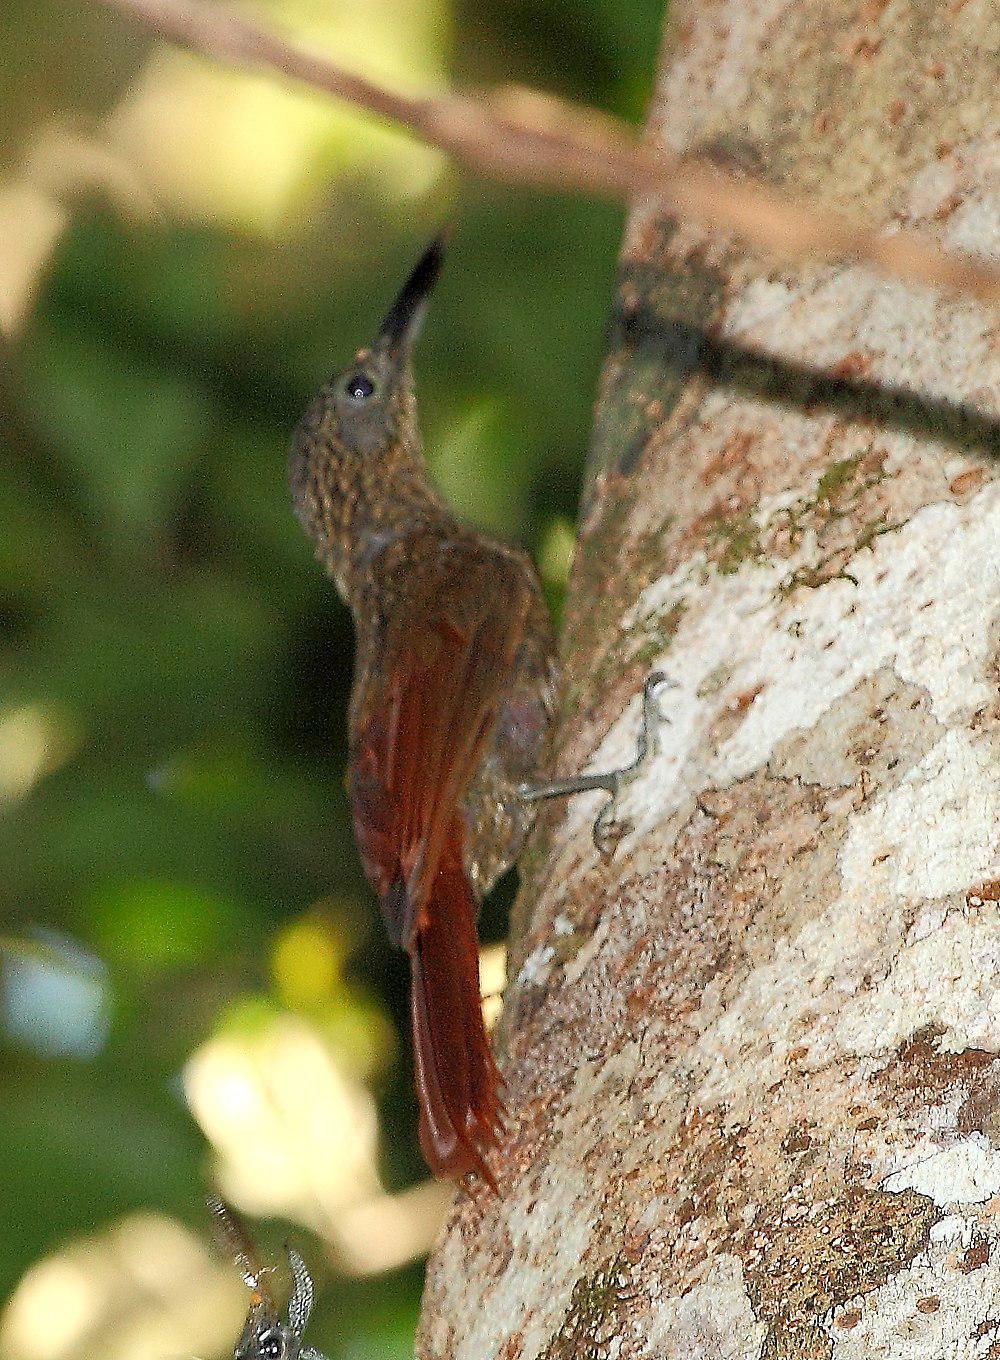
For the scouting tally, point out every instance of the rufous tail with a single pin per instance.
(456, 1079)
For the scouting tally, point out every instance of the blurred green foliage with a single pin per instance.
(173, 667)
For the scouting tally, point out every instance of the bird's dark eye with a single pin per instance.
(271, 1347)
(359, 387)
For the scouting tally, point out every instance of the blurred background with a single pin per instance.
(193, 985)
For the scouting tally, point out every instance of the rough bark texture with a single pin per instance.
(754, 1062)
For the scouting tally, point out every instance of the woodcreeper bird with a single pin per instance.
(452, 699)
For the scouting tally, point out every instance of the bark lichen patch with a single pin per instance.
(921, 840)
(658, 630)
(778, 498)
(596, 1315)
(847, 507)
(963, 1170)
(846, 512)
(868, 740)
(731, 539)
(816, 1262)
(936, 1307)
(691, 916)
(712, 1320)
(768, 421)
(945, 979)
(784, 1195)
(835, 482)
(843, 995)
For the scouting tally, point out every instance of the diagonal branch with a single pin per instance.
(529, 138)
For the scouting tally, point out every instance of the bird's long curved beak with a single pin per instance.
(402, 321)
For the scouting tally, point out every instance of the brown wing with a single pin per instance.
(429, 700)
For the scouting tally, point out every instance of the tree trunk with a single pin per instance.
(753, 1062)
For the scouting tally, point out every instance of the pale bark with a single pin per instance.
(754, 1062)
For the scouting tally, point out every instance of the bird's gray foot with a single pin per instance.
(608, 828)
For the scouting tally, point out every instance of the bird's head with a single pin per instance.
(362, 427)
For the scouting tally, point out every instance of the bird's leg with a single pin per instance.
(607, 830)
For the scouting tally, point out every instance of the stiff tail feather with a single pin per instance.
(456, 1079)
